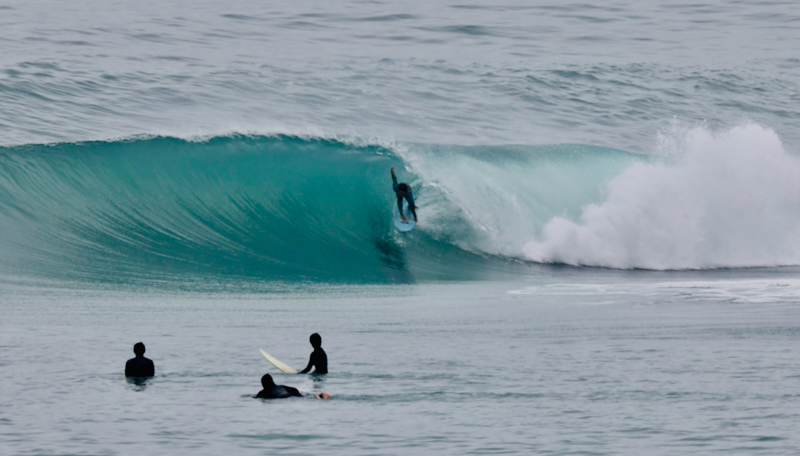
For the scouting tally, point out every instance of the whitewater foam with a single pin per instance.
(725, 200)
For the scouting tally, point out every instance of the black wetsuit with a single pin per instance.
(319, 360)
(407, 195)
(139, 367)
(278, 392)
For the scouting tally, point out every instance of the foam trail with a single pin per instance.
(725, 200)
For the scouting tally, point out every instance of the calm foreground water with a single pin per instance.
(606, 261)
(605, 364)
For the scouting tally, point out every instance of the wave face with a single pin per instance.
(276, 208)
(285, 209)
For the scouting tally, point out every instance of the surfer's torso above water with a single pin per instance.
(139, 366)
(318, 359)
(403, 190)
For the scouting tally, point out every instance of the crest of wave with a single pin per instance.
(722, 200)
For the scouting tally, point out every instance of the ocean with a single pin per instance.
(606, 260)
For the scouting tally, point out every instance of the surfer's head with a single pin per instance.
(267, 381)
(316, 340)
(403, 188)
(138, 349)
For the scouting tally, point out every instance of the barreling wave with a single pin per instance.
(264, 208)
(303, 209)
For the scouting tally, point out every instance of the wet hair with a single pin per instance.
(138, 348)
(267, 381)
(315, 339)
(404, 187)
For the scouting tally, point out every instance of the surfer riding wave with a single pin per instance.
(403, 190)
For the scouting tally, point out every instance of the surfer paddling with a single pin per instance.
(403, 190)
(318, 358)
(273, 391)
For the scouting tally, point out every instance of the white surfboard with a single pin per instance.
(409, 224)
(282, 367)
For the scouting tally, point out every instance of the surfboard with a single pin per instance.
(282, 367)
(409, 224)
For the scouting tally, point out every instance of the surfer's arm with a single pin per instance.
(310, 365)
(394, 178)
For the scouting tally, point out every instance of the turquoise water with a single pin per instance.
(606, 260)
(277, 208)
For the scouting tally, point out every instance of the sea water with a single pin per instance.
(606, 260)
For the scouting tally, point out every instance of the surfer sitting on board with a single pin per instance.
(318, 357)
(273, 391)
(139, 366)
(403, 190)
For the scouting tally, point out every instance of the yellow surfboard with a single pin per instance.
(282, 367)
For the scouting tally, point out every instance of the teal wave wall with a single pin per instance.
(280, 208)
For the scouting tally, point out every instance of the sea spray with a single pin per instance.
(721, 200)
